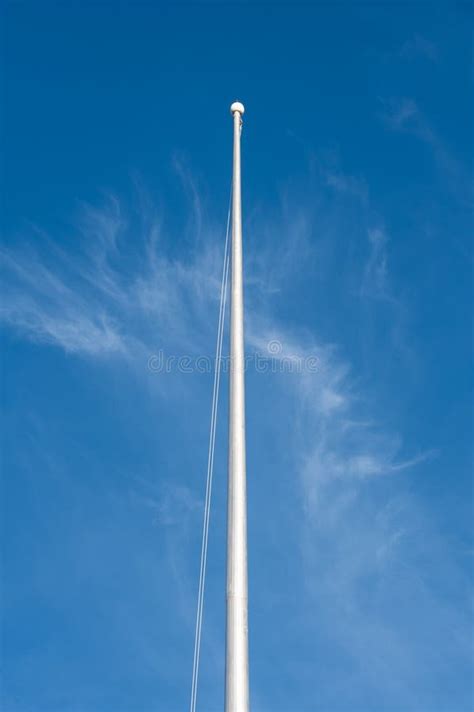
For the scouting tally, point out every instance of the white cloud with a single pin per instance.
(348, 184)
(113, 294)
(375, 281)
(114, 299)
(404, 115)
(172, 504)
(106, 300)
(45, 308)
(419, 46)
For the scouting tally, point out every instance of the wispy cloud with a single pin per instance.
(419, 46)
(108, 300)
(359, 526)
(43, 306)
(375, 281)
(120, 294)
(348, 184)
(113, 293)
(404, 115)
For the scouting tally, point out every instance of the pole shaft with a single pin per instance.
(237, 684)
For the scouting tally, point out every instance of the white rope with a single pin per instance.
(210, 469)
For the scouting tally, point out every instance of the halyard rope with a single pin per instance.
(210, 468)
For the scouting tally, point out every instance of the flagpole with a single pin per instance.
(237, 683)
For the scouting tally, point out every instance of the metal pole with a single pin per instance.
(237, 673)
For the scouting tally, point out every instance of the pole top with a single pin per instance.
(237, 106)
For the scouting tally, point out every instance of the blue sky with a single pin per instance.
(357, 151)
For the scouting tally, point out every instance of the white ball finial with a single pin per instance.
(237, 106)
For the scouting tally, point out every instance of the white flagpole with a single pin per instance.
(237, 674)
